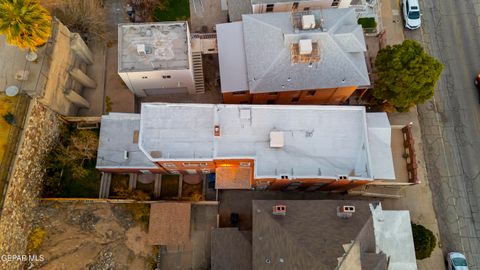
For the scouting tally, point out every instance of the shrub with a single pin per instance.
(140, 213)
(424, 241)
(9, 118)
(137, 195)
(367, 22)
(83, 17)
(35, 239)
(108, 104)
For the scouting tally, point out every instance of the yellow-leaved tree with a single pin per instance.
(25, 23)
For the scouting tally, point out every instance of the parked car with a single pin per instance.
(456, 261)
(477, 84)
(411, 14)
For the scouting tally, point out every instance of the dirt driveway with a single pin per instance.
(92, 236)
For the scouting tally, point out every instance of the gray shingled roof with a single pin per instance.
(230, 249)
(309, 236)
(268, 37)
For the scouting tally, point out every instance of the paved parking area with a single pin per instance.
(121, 98)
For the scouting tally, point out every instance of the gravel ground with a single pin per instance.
(40, 132)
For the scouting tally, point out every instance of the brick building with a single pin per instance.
(317, 234)
(308, 57)
(251, 146)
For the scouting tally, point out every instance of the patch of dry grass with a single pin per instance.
(7, 104)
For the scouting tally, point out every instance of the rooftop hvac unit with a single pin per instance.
(305, 46)
(141, 50)
(308, 22)
(276, 139)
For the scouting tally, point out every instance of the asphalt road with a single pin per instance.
(451, 122)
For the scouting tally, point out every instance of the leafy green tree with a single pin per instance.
(25, 23)
(424, 241)
(406, 75)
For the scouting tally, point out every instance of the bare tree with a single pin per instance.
(86, 17)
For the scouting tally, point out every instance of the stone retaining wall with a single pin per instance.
(41, 130)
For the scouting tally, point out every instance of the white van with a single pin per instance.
(411, 14)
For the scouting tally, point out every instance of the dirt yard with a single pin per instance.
(92, 236)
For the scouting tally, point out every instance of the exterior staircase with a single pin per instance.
(198, 72)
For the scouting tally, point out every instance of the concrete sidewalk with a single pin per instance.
(417, 199)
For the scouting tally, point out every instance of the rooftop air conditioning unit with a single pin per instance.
(276, 139)
(305, 46)
(141, 50)
(308, 22)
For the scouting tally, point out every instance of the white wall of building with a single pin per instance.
(302, 5)
(287, 7)
(172, 81)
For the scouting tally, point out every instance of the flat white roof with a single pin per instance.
(153, 46)
(394, 237)
(116, 137)
(318, 141)
(380, 141)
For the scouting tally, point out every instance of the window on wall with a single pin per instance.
(315, 186)
(203, 164)
(166, 76)
(293, 186)
(295, 99)
(191, 171)
(306, 9)
(271, 101)
(311, 92)
(269, 7)
(239, 93)
(245, 164)
(169, 165)
(188, 164)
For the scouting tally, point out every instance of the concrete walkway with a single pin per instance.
(417, 199)
(120, 97)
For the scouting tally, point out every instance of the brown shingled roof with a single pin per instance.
(169, 223)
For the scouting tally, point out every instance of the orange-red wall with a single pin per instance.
(320, 96)
(271, 184)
